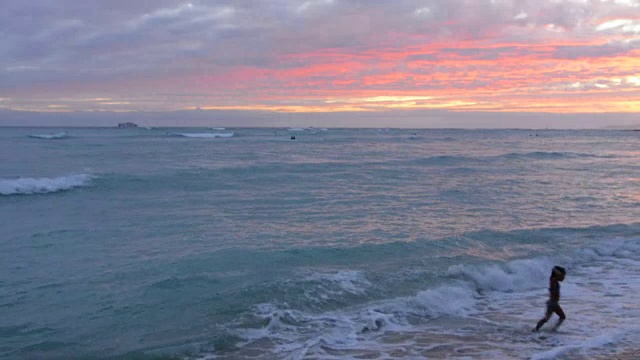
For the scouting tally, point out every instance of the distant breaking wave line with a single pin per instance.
(205, 135)
(552, 155)
(536, 155)
(60, 135)
(28, 186)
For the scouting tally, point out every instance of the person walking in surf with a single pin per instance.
(553, 306)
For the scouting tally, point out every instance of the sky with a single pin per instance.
(274, 60)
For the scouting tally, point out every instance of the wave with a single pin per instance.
(535, 155)
(338, 283)
(311, 130)
(516, 275)
(27, 186)
(475, 294)
(447, 160)
(60, 135)
(551, 155)
(205, 135)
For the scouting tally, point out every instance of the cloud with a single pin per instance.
(608, 50)
(261, 53)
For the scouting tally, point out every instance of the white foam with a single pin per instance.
(60, 135)
(446, 300)
(486, 310)
(516, 275)
(344, 329)
(205, 135)
(577, 346)
(350, 281)
(43, 185)
(599, 297)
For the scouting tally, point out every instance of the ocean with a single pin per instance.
(243, 243)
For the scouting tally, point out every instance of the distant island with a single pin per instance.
(127, 125)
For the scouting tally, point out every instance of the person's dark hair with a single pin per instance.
(558, 270)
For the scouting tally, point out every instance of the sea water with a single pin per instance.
(342, 243)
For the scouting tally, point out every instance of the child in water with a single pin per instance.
(553, 306)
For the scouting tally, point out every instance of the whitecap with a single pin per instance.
(205, 135)
(27, 186)
(60, 135)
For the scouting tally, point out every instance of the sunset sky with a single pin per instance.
(319, 56)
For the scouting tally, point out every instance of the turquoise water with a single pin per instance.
(243, 243)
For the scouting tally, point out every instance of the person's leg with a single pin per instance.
(558, 310)
(542, 321)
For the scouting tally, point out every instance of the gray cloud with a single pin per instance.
(607, 50)
(75, 44)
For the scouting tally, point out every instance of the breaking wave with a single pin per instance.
(28, 186)
(468, 292)
(552, 155)
(205, 135)
(60, 135)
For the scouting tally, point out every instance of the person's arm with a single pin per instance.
(554, 290)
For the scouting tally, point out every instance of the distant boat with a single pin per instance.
(127, 125)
